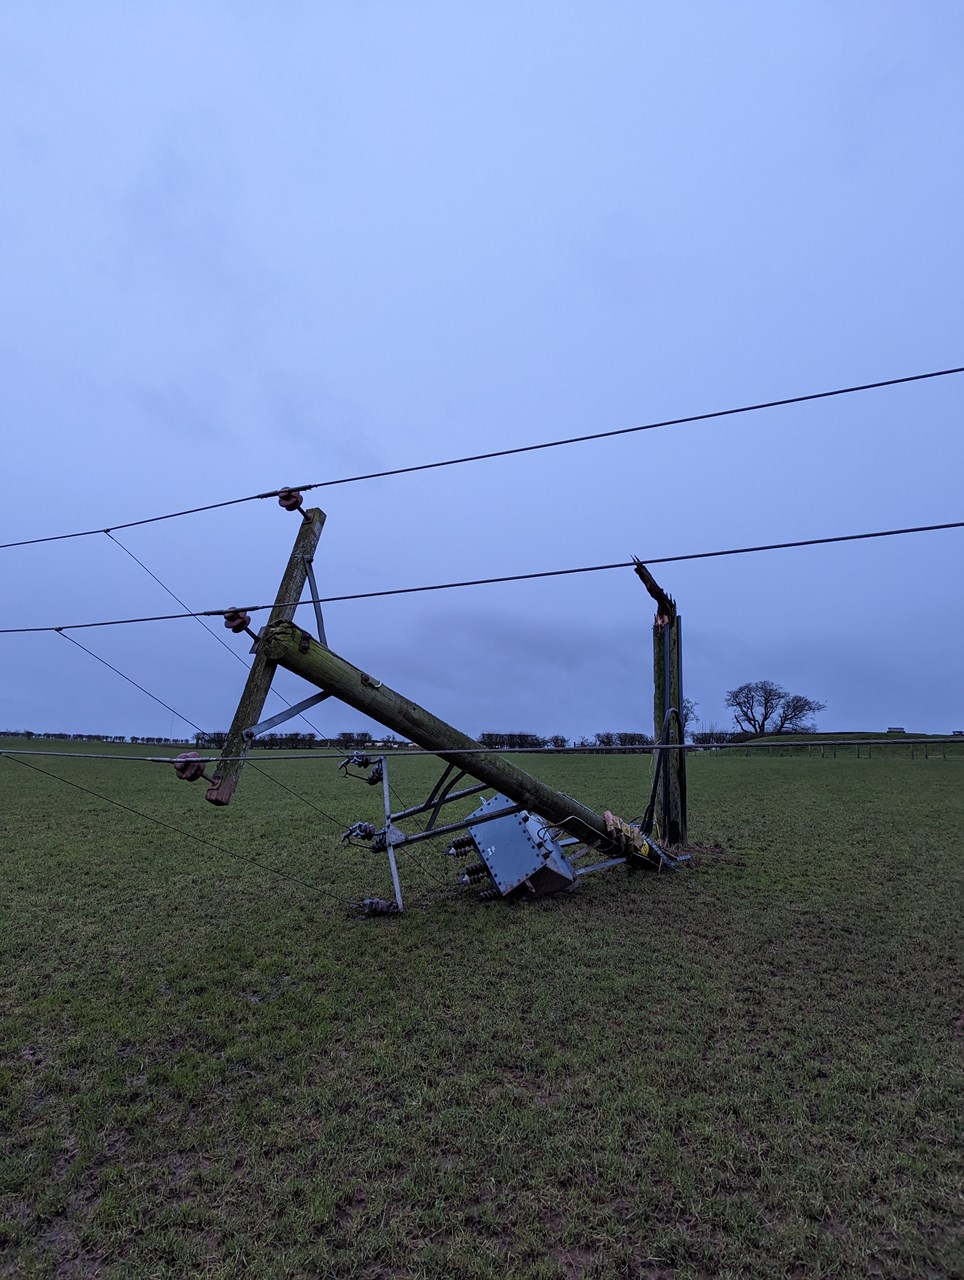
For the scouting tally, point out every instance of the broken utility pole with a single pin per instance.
(258, 683)
(286, 645)
(529, 838)
(668, 709)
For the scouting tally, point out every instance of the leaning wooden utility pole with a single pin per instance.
(668, 710)
(527, 838)
(256, 687)
(285, 645)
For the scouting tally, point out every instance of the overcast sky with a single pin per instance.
(245, 245)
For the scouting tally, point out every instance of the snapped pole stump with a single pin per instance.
(667, 709)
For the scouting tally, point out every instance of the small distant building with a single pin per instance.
(957, 733)
(896, 729)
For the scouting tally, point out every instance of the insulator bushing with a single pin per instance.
(487, 895)
(461, 847)
(290, 499)
(476, 869)
(356, 759)
(189, 766)
(471, 877)
(237, 620)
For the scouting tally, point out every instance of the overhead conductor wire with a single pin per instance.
(277, 781)
(502, 453)
(189, 835)
(302, 757)
(213, 634)
(509, 577)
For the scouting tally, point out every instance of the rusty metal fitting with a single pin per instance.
(378, 907)
(359, 831)
(188, 766)
(290, 499)
(237, 621)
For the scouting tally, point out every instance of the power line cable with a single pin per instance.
(154, 698)
(297, 795)
(213, 634)
(510, 577)
(189, 835)
(160, 701)
(625, 431)
(502, 453)
(311, 756)
(133, 524)
(164, 587)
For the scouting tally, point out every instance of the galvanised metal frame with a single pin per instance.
(391, 837)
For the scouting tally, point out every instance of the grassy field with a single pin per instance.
(746, 1069)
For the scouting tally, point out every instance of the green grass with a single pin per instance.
(745, 1069)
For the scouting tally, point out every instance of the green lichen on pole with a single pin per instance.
(668, 692)
(288, 646)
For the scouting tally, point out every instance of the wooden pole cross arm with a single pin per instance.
(227, 772)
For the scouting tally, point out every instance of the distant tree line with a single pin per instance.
(91, 737)
(215, 739)
(558, 742)
(346, 741)
(759, 707)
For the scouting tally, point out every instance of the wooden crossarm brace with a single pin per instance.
(227, 772)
